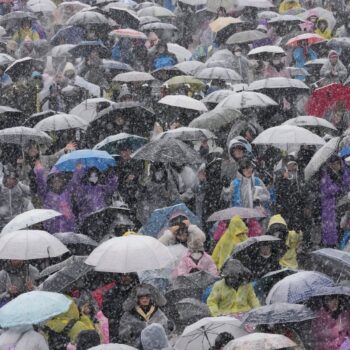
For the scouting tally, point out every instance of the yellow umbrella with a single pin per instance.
(177, 82)
(223, 22)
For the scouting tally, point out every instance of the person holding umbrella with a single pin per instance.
(25, 31)
(302, 54)
(322, 29)
(333, 71)
(276, 67)
(162, 57)
(287, 5)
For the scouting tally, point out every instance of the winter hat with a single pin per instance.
(11, 45)
(195, 244)
(277, 219)
(333, 53)
(87, 339)
(153, 337)
(68, 68)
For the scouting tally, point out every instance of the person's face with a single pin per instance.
(292, 167)
(57, 184)
(10, 182)
(335, 166)
(248, 172)
(126, 279)
(238, 153)
(332, 303)
(265, 250)
(313, 19)
(119, 120)
(16, 263)
(161, 49)
(323, 27)
(182, 236)
(333, 60)
(303, 43)
(144, 300)
(26, 25)
(94, 55)
(125, 154)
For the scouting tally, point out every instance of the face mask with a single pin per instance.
(276, 62)
(93, 178)
(238, 54)
(196, 255)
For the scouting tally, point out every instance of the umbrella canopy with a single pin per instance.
(21, 135)
(155, 11)
(336, 43)
(71, 35)
(133, 253)
(179, 81)
(148, 19)
(339, 291)
(263, 4)
(265, 52)
(36, 117)
(320, 157)
(182, 101)
(160, 217)
(216, 119)
(89, 109)
(6, 59)
(297, 287)
(168, 151)
(261, 341)
(84, 18)
(128, 33)
(113, 347)
(61, 121)
(157, 26)
(133, 77)
(285, 135)
(246, 99)
(29, 218)
(188, 134)
(278, 313)
(180, 52)
(194, 2)
(86, 158)
(217, 96)
(166, 73)
(245, 37)
(229, 213)
(277, 83)
(222, 22)
(41, 5)
(84, 48)
(22, 66)
(308, 120)
(191, 309)
(320, 12)
(202, 334)
(285, 18)
(113, 144)
(16, 15)
(61, 50)
(32, 308)
(71, 238)
(29, 245)
(317, 62)
(115, 67)
(189, 67)
(199, 279)
(122, 16)
(74, 268)
(311, 38)
(218, 73)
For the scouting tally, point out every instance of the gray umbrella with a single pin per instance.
(218, 73)
(75, 238)
(157, 26)
(84, 18)
(217, 96)
(192, 310)
(277, 83)
(189, 67)
(148, 19)
(16, 16)
(245, 37)
(278, 313)
(65, 277)
(200, 279)
(6, 59)
(21, 135)
(61, 50)
(188, 134)
(168, 151)
(216, 119)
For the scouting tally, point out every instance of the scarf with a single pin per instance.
(145, 315)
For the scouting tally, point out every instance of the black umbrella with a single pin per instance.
(168, 151)
(278, 313)
(65, 277)
(21, 67)
(10, 117)
(37, 117)
(84, 48)
(124, 17)
(115, 67)
(200, 279)
(166, 73)
(16, 16)
(84, 18)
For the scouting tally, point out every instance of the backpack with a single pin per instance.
(164, 61)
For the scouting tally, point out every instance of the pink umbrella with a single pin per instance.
(310, 37)
(229, 213)
(128, 33)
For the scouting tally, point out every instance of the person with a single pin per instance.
(14, 195)
(113, 300)
(276, 68)
(233, 294)
(23, 338)
(322, 29)
(339, 117)
(333, 70)
(25, 31)
(87, 339)
(331, 325)
(302, 54)
(241, 65)
(221, 340)
(344, 30)
(277, 227)
(153, 337)
(16, 277)
(195, 259)
(27, 49)
(245, 186)
(335, 180)
(142, 309)
(162, 57)
(234, 234)
(287, 5)
(180, 230)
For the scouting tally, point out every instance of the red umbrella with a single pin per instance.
(128, 33)
(324, 98)
(310, 37)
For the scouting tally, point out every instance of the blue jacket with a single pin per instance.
(236, 193)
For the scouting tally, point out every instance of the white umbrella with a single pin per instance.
(133, 76)
(188, 134)
(201, 335)
(155, 11)
(41, 5)
(218, 73)
(61, 50)
(182, 101)
(277, 83)
(134, 253)
(194, 2)
(320, 157)
(29, 218)
(246, 99)
(30, 244)
(267, 49)
(88, 109)
(2, 31)
(217, 96)
(61, 121)
(113, 347)
(317, 61)
(189, 67)
(180, 52)
(285, 135)
(264, 4)
(20, 135)
(309, 120)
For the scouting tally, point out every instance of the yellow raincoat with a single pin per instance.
(286, 6)
(224, 300)
(22, 34)
(293, 240)
(235, 234)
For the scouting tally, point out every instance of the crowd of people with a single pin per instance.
(218, 129)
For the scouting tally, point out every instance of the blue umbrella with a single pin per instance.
(32, 308)
(160, 217)
(86, 158)
(68, 35)
(298, 287)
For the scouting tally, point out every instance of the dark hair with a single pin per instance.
(223, 339)
(87, 339)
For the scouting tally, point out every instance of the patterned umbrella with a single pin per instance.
(128, 33)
